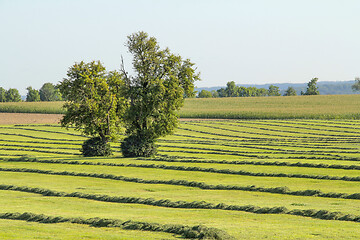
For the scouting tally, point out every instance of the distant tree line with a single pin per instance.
(232, 90)
(48, 92)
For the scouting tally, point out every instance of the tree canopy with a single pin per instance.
(101, 103)
(290, 91)
(49, 92)
(94, 105)
(274, 91)
(12, 95)
(32, 95)
(155, 92)
(356, 86)
(205, 94)
(2, 95)
(312, 89)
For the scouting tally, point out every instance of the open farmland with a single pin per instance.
(249, 179)
(293, 107)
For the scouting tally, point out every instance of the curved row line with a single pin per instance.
(272, 142)
(334, 157)
(195, 232)
(44, 138)
(291, 151)
(318, 214)
(37, 150)
(296, 127)
(269, 134)
(42, 130)
(303, 139)
(185, 183)
(256, 163)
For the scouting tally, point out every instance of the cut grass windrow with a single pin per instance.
(185, 183)
(261, 147)
(195, 232)
(269, 142)
(318, 214)
(243, 162)
(296, 126)
(43, 138)
(37, 142)
(261, 156)
(39, 151)
(42, 130)
(269, 130)
(354, 139)
(246, 153)
(206, 170)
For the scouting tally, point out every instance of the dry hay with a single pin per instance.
(29, 118)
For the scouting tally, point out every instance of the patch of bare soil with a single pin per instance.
(29, 118)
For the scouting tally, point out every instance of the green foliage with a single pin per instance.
(356, 86)
(48, 92)
(232, 90)
(205, 94)
(133, 146)
(96, 147)
(290, 92)
(32, 95)
(274, 91)
(214, 94)
(12, 95)
(157, 90)
(312, 89)
(94, 105)
(2, 95)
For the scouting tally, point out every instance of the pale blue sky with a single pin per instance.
(246, 41)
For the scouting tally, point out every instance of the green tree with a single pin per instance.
(12, 95)
(273, 91)
(312, 89)
(48, 92)
(221, 92)
(231, 89)
(290, 91)
(356, 86)
(94, 105)
(262, 92)
(205, 94)
(2, 95)
(214, 94)
(155, 93)
(32, 95)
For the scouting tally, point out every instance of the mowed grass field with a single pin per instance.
(240, 179)
(293, 107)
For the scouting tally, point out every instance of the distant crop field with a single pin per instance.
(294, 107)
(32, 107)
(224, 179)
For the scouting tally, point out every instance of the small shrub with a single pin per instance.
(96, 147)
(134, 146)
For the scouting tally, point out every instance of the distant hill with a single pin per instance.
(325, 88)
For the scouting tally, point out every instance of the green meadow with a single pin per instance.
(219, 179)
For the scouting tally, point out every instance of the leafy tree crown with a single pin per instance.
(156, 91)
